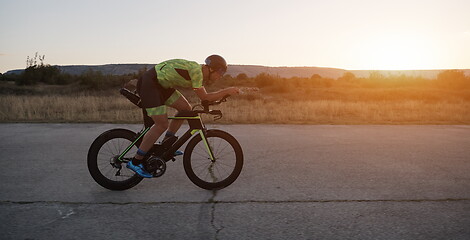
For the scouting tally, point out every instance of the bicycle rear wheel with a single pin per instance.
(218, 174)
(103, 163)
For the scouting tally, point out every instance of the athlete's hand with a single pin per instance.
(131, 85)
(233, 91)
(245, 90)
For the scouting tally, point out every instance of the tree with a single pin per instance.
(376, 76)
(315, 76)
(33, 62)
(242, 76)
(93, 79)
(347, 77)
(453, 79)
(37, 71)
(96, 80)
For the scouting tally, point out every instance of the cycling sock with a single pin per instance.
(169, 134)
(141, 153)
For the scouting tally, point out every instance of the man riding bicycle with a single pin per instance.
(157, 91)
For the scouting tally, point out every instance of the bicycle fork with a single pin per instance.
(206, 143)
(209, 151)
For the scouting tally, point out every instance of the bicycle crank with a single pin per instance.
(156, 166)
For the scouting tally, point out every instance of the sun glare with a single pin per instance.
(396, 53)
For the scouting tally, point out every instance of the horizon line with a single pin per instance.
(256, 65)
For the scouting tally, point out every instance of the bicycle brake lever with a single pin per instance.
(218, 114)
(224, 99)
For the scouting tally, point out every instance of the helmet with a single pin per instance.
(216, 63)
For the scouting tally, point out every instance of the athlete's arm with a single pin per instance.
(214, 96)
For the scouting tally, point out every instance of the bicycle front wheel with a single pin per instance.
(220, 172)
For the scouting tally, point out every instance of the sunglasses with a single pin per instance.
(221, 71)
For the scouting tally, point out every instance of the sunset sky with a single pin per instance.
(360, 34)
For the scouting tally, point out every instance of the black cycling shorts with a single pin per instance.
(154, 97)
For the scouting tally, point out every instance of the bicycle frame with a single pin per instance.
(196, 126)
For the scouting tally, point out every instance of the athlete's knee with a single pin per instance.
(160, 123)
(184, 107)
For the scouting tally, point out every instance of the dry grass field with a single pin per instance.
(306, 106)
(378, 99)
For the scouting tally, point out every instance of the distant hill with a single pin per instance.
(287, 72)
(112, 69)
(249, 70)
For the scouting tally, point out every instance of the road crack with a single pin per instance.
(214, 202)
(216, 228)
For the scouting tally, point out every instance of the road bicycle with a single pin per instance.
(212, 159)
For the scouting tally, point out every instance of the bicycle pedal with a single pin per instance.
(173, 159)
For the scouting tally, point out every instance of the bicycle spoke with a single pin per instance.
(103, 164)
(225, 167)
(120, 146)
(109, 171)
(110, 150)
(202, 172)
(217, 170)
(209, 174)
(203, 149)
(202, 164)
(113, 145)
(225, 148)
(202, 155)
(216, 152)
(225, 164)
(218, 147)
(223, 156)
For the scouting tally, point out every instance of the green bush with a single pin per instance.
(95, 80)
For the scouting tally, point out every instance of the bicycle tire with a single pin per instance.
(98, 159)
(195, 162)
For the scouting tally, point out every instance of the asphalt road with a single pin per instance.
(298, 182)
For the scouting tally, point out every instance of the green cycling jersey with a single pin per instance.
(179, 73)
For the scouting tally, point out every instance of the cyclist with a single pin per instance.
(156, 90)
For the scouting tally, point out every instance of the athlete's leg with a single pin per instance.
(180, 104)
(153, 97)
(161, 124)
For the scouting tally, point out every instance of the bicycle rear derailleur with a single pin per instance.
(156, 166)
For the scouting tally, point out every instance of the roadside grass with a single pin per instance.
(305, 106)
